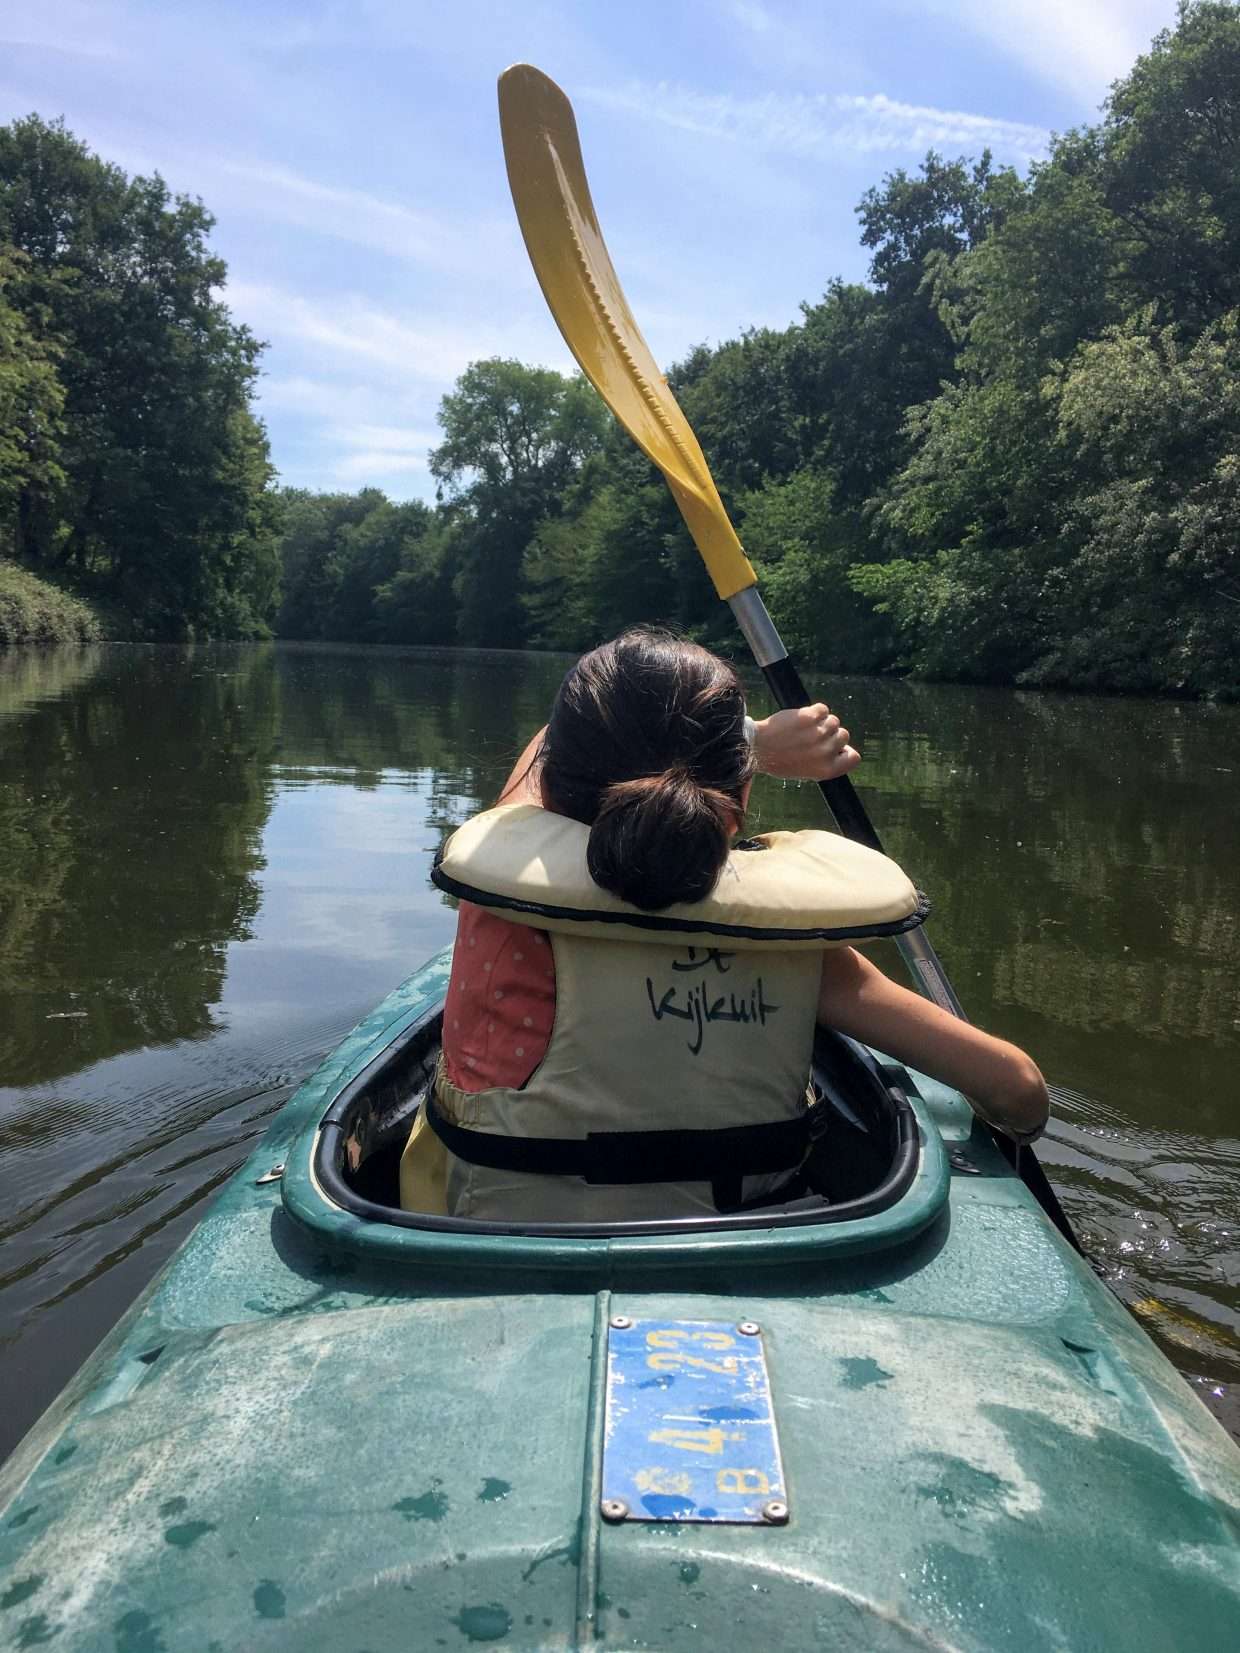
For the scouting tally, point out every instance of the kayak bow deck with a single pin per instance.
(328, 1425)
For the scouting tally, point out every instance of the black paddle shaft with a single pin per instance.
(784, 681)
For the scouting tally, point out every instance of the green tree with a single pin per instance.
(165, 466)
(799, 546)
(1170, 164)
(417, 604)
(514, 438)
(1062, 513)
(31, 419)
(311, 558)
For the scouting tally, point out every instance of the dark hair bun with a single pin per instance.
(659, 839)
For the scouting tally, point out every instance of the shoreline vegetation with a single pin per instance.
(1012, 456)
(34, 611)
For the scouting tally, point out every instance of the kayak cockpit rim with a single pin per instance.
(368, 1119)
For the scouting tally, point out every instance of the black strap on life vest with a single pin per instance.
(722, 1156)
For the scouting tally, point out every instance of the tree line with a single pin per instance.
(1012, 455)
(132, 467)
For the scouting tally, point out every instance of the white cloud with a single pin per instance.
(751, 16)
(821, 126)
(456, 245)
(880, 122)
(390, 438)
(370, 464)
(31, 40)
(351, 327)
(74, 28)
(1079, 45)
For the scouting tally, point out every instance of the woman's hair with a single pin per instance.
(646, 746)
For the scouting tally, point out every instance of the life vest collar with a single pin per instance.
(783, 889)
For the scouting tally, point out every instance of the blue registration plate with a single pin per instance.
(689, 1433)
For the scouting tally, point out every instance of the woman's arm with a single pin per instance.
(1003, 1084)
(522, 786)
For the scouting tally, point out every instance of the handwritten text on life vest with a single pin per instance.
(697, 1005)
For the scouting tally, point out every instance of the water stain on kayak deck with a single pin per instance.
(431, 1506)
(860, 1372)
(962, 1489)
(488, 1622)
(22, 1589)
(34, 1632)
(189, 1532)
(135, 1632)
(269, 1599)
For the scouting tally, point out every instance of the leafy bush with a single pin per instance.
(32, 611)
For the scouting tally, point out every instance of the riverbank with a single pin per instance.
(33, 611)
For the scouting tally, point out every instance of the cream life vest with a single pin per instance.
(674, 1083)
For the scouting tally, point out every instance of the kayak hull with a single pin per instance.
(309, 1435)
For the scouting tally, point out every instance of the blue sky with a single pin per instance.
(350, 153)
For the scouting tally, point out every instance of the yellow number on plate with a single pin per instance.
(693, 1440)
(675, 1361)
(670, 1337)
(742, 1480)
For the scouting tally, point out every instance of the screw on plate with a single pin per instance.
(776, 1512)
(621, 1323)
(962, 1162)
(613, 1509)
(274, 1175)
(749, 1328)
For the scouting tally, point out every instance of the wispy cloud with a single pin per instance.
(369, 466)
(379, 450)
(353, 328)
(1079, 47)
(346, 425)
(31, 40)
(880, 122)
(75, 28)
(455, 245)
(817, 127)
(751, 16)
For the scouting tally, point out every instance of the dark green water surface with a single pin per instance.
(213, 861)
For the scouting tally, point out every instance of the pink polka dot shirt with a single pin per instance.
(500, 1006)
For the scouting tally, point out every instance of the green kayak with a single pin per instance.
(895, 1412)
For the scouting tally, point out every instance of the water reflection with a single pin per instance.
(130, 833)
(213, 860)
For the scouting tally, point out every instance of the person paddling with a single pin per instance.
(635, 988)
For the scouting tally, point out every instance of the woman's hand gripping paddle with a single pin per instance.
(574, 269)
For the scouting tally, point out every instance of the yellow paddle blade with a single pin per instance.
(574, 269)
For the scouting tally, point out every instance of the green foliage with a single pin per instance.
(32, 611)
(31, 415)
(607, 562)
(358, 568)
(515, 438)
(418, 603)
(147, 477)
(1066, 510)
(799, 545)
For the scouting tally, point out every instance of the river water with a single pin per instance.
(213, 861)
